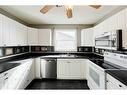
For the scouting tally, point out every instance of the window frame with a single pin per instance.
(75, 42)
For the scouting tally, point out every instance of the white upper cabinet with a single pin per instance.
(24, 34)
(125, 32)
(13, 33)
(6, 24)
(115, 22)
(21, 33)
(45, 37)
(0, 30)
(87, 38)
(121, 19)
(32, 36)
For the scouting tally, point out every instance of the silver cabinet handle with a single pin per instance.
(68, 62)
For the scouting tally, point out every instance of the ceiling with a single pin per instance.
(81, 14)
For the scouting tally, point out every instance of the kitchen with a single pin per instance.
(55, 50)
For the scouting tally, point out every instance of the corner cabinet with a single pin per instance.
(45, 37)
(87, 38)
(71, 68)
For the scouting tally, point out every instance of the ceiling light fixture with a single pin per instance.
(69, 10)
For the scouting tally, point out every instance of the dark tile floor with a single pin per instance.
(39, 84)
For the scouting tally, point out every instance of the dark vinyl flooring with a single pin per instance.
(44, 84)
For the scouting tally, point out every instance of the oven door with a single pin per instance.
(96, 78)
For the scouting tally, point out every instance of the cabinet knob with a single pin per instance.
(6, 78)
(120, 85)
(5, 74)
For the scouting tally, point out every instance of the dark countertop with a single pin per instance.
(5, 65)
(106, 65)
(120, 75)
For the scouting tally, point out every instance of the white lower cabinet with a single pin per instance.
(112, 83)
(37, 64)
(21, 76)
(71, 68)
(28, 75)
(5, 76)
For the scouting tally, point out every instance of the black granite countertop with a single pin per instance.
(120, 75)
(106, 65)
(5, 65)
(87, 55)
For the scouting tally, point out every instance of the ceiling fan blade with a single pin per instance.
(46, 8)
(95, 6)
(69, 12)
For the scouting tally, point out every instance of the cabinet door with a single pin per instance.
(37, 62)
(1, 44)
(71, 69)
(74, 69)
(21, 34)
(87, 38)
(45, 37)
(32, 36)
(13, 36)
(121, 19)
(29, 75)
(62, 69)
(1, 82)
(6, 30)
(24, 35)
(125, 32)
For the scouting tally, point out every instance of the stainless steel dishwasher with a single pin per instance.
(49, 68)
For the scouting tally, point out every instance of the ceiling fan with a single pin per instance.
(69, 9)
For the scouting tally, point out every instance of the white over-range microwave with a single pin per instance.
(109, 40)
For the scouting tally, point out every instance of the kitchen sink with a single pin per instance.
(62, 55)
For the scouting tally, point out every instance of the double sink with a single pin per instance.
(61, 56)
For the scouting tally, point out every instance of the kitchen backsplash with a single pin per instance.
(42, 48)
(101, 51)
(11, 50)
(85, 49)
